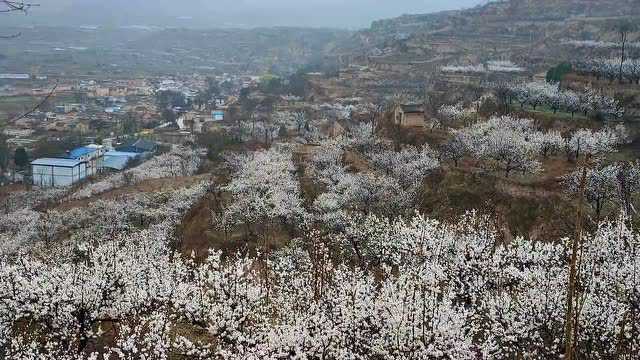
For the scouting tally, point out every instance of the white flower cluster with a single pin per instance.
(434, 291)
(32, 198)
(290, 120)
(536, 94)
(507, 144)
(489, 67)
(455, 112)
(264, 188)
(613, 186)
(344, 109)
(464, 69)
(594, 44)
(409, 165)
(611, 69)
(511, 144)
(595, 143)
(24, 229)
(385, 181)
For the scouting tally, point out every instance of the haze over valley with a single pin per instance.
(352, 14)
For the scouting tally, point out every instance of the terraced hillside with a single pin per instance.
(520, 30)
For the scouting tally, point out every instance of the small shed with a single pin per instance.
(409, 115)
(54, 172)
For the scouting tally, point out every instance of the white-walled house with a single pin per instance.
(53, 172)
(92, 154)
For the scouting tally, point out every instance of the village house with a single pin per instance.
(92, 155)
(409, 115)
(99, 92)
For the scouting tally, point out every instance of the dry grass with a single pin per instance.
(7, 190)
(145, 186)
(355, 162)
(519, 207)
(197, 236)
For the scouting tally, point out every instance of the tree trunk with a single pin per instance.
(570, 322)
(623, 37)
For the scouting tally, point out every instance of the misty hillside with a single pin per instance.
(515, 10)
(506, 29)
(292, 47)
(503, 29)
(86, 49)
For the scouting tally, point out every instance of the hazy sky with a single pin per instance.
(215, 13)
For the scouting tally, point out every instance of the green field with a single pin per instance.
(11, 105)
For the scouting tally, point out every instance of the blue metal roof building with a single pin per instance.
(92, 154)
(81, 151)
(140, 146)
(118, 160)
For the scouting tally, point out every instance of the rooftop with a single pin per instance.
(121, 153)
(57, 162)
(411, 109)
(142, 143)
(81, 151)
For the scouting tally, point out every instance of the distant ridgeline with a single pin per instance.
(528, 32)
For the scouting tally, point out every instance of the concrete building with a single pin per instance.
(52, 172)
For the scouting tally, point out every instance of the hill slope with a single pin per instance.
(522, 30)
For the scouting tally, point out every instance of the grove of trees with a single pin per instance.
(421, 289)
(538, 94)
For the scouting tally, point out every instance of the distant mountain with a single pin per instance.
(523, 30)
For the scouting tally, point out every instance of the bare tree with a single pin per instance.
(572, 314)
(623, 29)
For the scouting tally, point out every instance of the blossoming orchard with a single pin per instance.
(462, 185)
